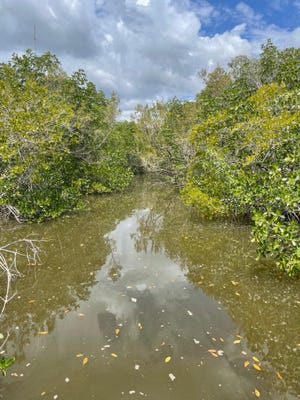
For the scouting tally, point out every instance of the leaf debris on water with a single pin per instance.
(172, 377)
(237, 341)
(136, 367)
(279, 376)
(189, 312)
(257, 393)
(168, 359)
(117, 331)
(196, 341)
(257, 367)
(133, 299)
(85, 361)
(114, 355)
(246, 364)
(43, 333)
(79, 355)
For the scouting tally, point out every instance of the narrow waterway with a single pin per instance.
(137, 298)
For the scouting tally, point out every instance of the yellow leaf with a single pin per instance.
(140, 325)
(85, 361)
(117, 331)
(246, 363)
(168, 359)
(279, 376)
(239, 336)
(31, 301)
(257, 367)
(214, 354)
(257, 393)
(43, 393)
(237, 341)
(235, 283)
(221, 339)
(212, 351)
(79, 355)
(114, 355)
(255, 359)
(237, 294)
(244, 353)
(81, 314)
(43, 333)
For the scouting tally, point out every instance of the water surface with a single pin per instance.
(137, 298)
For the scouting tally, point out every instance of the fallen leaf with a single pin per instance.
(279, 376)
(67, 380)
(168, 359)
(212, 351)
(43, 333)
(214, 354)
(246, 363)
(239, 336)
(133, 299)
(244, 353)
(79, 355)
(221, 339)
(220, 352)
(43, 393)
(237, 294)
(255, 359)
(235, 283)
(85, 361)
(31, 301)
(114, 355)
(257, 367)
(81, 314)
(172, 377)
(136, 367)
(196, 341)
(117, 331)
(189, 312)
(140, 325)
(257, 393)
(237, 341)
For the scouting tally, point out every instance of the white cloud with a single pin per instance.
(142, 49)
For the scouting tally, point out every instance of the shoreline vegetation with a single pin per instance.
(233, 152)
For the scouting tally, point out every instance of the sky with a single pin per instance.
(146, 50)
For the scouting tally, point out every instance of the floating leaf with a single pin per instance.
(221, 339)
(212, 351)
(172, 377)
(168, 359)
(237, 341)
(85, 361)
(67, 380)
(196, 341)
(31, 301)
(136, 367)
(279, 376)
(81, 314)
(220, 352)
(43, 393)
(114, 355)
(244, 353)
(43, 332)
(257, 393)
(257, 367)
(235, 283)
(189, 312)
(140, 325)
(117, 331)
(246, 364)
(133, 299)
(255, 359)
(1, 336)
(79, 355)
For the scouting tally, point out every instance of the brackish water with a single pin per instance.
(137, 298)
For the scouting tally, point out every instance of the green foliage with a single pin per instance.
(247, 153)
(6, 363)
(57, 138)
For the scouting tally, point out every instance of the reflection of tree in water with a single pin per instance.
(220, 258)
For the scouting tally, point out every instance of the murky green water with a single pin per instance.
(135, 281)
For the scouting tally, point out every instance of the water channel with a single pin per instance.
(136, 297)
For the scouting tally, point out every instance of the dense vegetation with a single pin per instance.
(234, 151)
(243, 151)
(58, 138)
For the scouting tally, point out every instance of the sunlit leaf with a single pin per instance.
(85, 361)
(172, 377)
(279, 376)
(43, 332)
(255, 359)
(246, 363)
(220, 352)
(257, 367)
(31, 301)
(196, 341)
(212, 351)
(189, 312)
(221, 339)
(136, 367)
(235, 283)
(140, 325)
(257, 393)
(133, 299)
(114, 355)
(168, 359)
(43, 393)
(117, 331)
(80, 314)
(237, 341)
(79, 355)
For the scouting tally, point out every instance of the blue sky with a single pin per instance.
(146, 49)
